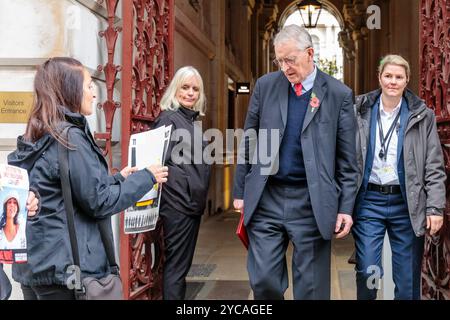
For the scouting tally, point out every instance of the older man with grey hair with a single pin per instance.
(311, 195)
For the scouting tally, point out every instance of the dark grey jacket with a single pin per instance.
(423, 159)
(96, 195)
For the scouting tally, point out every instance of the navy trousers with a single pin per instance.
(285, 214)
(377, 214)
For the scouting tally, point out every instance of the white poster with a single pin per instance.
(13, 198)
(145, 149)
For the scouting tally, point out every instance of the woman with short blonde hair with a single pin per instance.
(402, 181)
(397, 60)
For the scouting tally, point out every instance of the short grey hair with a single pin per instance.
(169, 100)
(294, 33)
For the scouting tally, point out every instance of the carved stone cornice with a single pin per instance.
(360, 34)
(268, 18)
(251, 4)
(355, 14)
(347, 43)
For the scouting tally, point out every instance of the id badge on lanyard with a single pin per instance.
(387, 173)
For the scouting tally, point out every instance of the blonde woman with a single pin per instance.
(183, 198)
(402, 189)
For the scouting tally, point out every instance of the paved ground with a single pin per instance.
(219, 267)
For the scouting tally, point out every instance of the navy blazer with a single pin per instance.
(328, 141)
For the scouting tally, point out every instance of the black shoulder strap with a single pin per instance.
(63, 158)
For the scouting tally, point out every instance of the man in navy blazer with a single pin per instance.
(307, 191)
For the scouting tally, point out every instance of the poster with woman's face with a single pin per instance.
(13, 214)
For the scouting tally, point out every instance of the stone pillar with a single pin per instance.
(220, 83)
(347, 44)
(360, 37)
(354, 15)
(270, 14)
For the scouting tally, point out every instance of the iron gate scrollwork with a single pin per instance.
(435, 89)
(147, 67)
(147, 62)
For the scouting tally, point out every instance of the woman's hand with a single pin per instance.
(32, 204)
(127, 171)
(159, 172)
(434, 224)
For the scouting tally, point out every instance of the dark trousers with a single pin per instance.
(285, 214)
(180, 238)
(375, 215)
(53, 292)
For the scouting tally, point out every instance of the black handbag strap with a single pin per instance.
(63, 158)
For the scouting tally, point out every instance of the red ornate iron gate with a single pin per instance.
(435, 89)
(147, 67)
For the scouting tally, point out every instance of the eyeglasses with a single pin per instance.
(289, 61)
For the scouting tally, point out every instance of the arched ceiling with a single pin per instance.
(286, 8)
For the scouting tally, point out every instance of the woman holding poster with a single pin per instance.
(64, 96)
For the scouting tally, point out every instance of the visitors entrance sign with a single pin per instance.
(15, 107)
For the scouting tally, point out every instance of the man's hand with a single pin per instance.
(32, 204)
(343, 224)
(127, 171)
(434, 224)
(238, 204)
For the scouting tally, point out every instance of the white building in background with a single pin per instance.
(32, 31)
(325, 40)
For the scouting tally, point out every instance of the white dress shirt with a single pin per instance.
(385, 172)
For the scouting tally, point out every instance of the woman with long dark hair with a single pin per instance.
(64, 94)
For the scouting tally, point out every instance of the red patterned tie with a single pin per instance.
(298, 89)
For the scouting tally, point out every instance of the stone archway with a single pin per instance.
(327, 5)
(328, 53)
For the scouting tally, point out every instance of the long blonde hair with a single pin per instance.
(169, 100)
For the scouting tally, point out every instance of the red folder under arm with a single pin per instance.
(241, 232)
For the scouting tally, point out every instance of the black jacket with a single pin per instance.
(96, 195)
(187, 186)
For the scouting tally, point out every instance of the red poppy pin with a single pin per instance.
(314, 102)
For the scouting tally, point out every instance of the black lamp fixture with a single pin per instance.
(309, 10)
